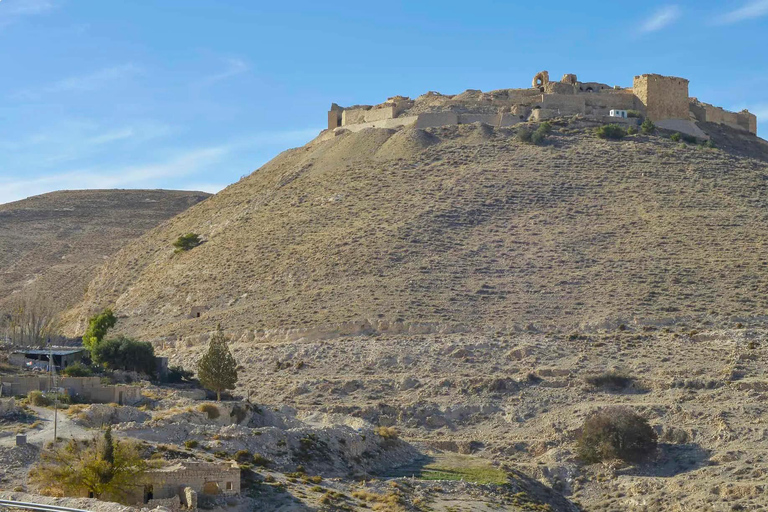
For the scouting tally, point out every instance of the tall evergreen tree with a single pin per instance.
(108, 454)
(217, 369)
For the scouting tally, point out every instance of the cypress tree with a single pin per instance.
(217, 369)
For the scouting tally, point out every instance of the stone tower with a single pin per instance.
(664, 97)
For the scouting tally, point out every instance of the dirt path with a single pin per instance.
(66, 428)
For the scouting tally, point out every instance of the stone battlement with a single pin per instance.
(656, 97)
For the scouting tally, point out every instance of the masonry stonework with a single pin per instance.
(664, 97)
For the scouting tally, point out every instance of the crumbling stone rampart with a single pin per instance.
(656, 97)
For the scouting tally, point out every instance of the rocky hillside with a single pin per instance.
(457, 228)
(51, 245)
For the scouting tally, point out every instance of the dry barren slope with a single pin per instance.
(458, 226)
(55, 242)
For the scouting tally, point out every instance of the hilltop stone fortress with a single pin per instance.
(662, 99)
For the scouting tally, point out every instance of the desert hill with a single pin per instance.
(52, 244)
(456, 228)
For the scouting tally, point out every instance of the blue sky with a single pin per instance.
(194, 94)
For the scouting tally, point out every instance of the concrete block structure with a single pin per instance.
(656, 97)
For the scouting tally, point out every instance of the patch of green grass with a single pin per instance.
(469, 469)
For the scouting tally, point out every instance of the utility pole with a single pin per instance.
(55, 387)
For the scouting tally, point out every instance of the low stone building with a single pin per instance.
(89, 389)
(178, 486)
(62, 357)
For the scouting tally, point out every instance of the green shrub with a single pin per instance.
(389, 433)
(709, 144)
(211, 410)
(613, 380)
(190, 444)
(634, 113)
(611, 131)
(243, 456)
(524, 135)
(648, 127)
(123, 353)
(260, 460)
(616, 433)
(187, 242)
(545, 127)
(38, 399)
(77, 370)
(676, 137)
(632, 130)
(177, 375)
(538, 137)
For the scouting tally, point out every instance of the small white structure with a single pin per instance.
(619, 113)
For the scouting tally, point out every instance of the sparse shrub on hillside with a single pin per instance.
(631, 130)
(709, 144)
(389, 433)
(611, 131)
(634, 113)
(676, 137)
(648, 127)
(260, 460)
(534, 137)
(616, 433)
(187, 242)
(524, 135)
(210, 410)
(612, 380)
(190, 444)
(243, 456)
(77, 370)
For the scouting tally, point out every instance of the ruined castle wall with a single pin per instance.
(435, 119)
(510, 119)
(379, 114)
(353, 116)
(566, 104)
(386, 123)
(664, 97)
(492, 119)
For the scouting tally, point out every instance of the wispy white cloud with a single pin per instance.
(138, 176)
(184, 169)
(661, 18)
(751, 10)
(232, 67)
(88, 82)
(13, 10)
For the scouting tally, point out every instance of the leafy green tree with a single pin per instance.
(217, 369)
(86, 467)
(187, 242)
(97, 328)
(124, 353)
